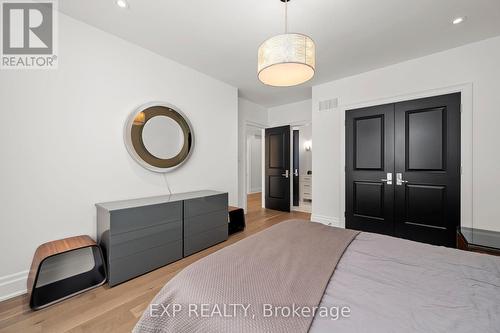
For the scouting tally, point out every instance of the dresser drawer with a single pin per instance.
(126, 244)
(126, 268)
(204, 205)
(203, 240)
(131, 219)
(201, 223)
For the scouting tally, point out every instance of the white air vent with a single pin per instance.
(328, 104)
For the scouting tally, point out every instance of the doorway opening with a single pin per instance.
(254, 165)
(288, 168)
(302, 168)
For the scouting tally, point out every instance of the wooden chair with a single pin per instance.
(53, 278)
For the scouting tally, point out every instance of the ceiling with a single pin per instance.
(221, 37)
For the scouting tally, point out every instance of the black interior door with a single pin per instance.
(417, 143)
(277, 170)
(296, 195)
(427, 146)
(369, 160)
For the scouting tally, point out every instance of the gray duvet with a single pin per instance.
(388, 284)
(395, 285)
(250, 285)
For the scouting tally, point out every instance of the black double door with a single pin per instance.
(403, 169)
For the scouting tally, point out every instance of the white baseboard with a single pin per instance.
(255, 190)
(13, 285)
(328, 220)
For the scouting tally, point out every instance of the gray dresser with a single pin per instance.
(140, 235)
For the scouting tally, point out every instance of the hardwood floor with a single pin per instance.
(117, 309)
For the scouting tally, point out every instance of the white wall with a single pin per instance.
(61, 140)
(476, 66)
(251, 114)
(290, 114)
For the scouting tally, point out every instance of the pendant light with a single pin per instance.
(288, 59)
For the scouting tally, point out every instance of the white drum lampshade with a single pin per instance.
(286, 60)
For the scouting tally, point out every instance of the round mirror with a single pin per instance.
(162, 137)
(159, 137)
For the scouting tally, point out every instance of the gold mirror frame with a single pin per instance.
(135, 145)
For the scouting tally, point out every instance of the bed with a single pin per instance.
(300, 276)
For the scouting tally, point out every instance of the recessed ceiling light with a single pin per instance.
(122, 3)
(458, 20)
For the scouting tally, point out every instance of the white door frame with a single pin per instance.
(466, 143)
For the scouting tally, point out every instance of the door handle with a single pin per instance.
(388, 180)
(399, 179)
(296, 173)
(286, 174)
